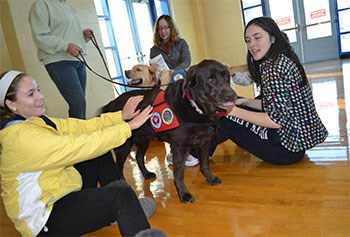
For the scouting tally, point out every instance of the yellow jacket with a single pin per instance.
(36, 162)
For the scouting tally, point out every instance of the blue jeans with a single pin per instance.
(70, 79)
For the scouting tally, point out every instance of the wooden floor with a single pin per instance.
(311, 198)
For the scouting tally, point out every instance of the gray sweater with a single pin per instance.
(179, 56)
(54, 25)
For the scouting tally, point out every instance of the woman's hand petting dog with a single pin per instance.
(137, 117)
(141, 118)
(130, 106)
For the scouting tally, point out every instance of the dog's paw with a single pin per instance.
(187, 198)
(214, 180)
(150, 175)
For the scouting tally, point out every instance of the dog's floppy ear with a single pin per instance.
(153, 72)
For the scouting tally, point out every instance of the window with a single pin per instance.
(252, 9)
(344, 26)
(127, 33)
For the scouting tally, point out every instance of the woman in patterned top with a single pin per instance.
(283, 123)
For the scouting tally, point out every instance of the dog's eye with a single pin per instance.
(138, 70)
(211, 81)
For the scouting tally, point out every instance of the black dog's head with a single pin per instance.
(208, 85)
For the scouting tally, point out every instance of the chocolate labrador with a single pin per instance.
(185, 115)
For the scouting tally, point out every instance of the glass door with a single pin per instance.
(133, 29)
(310, 26)
(286, 17)
(319, 34)
(127, 33)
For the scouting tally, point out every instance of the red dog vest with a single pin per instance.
(163, 117)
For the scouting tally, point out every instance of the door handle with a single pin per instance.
(297, 28)
(318, 23)
(140, 55)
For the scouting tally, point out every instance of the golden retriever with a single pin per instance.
(147, 77)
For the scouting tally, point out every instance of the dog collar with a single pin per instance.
(193, 103)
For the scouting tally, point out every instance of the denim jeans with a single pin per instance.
(70, 79)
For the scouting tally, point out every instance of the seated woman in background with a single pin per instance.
(41, 190)
(280, 125)
(177, 56)
(169, 44)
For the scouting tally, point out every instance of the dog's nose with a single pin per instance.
(231, 95)
(127, 72)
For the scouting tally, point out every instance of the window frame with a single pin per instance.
(106, 17)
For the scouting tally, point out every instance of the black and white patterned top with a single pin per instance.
(290, 105)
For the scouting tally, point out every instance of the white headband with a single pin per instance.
(5, 83)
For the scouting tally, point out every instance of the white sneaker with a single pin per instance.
(190, 160)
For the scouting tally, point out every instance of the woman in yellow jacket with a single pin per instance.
(41, 189)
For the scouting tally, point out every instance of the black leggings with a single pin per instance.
(91, 209)
(102, 170)
(260, 141)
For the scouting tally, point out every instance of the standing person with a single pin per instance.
(41, 190)
(283, 123)
(177, 56)
(59, 38)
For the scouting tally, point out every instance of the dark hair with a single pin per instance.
(281, 45)
(175, 33)
(11, 95)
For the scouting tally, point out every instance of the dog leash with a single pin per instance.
(94, 42)
(83, 60)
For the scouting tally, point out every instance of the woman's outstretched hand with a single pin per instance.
(130, 106)
(141, 118)
(138, 117)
